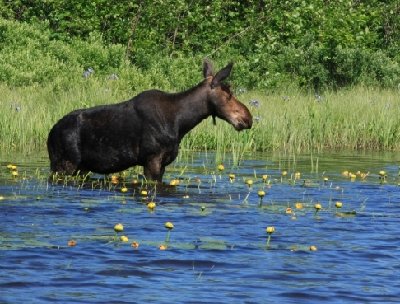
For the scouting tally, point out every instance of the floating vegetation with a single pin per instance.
(291, 192)
(209, 230)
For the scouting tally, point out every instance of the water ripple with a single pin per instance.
(218, 250)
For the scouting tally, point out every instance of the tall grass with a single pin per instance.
(360, 118)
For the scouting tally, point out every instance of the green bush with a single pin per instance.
(28, 56)
(312, 44)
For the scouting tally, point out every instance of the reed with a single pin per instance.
(357, 118)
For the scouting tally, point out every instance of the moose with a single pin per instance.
(145, 130)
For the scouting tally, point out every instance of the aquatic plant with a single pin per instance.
(71, 243)
(174, 182)
(270, 230)
(169, 226)
(382, 176)
(317, 208)
(118, 228)
(261, 194)
(162, 247)
(301, 205)
(249, 182)
(338, 205)
(124, 238)
(151, 206)
(298, 205)
(221, 167)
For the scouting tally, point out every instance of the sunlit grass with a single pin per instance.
(360, 118)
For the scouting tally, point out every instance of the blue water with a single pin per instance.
(218, 250)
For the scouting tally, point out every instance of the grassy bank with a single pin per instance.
(360, 118)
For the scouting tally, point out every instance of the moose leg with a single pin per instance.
(154, 170)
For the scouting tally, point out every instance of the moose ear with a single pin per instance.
(207, 68)
(222, 75)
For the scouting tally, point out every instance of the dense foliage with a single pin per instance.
(312, 44)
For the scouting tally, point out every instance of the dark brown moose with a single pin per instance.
(145, 130)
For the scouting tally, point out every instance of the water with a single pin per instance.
(218, 250)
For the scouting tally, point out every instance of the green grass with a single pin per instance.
(360, 118)
(41, 81)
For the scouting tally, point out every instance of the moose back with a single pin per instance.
(145, 130)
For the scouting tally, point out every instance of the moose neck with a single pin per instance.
(193, 107)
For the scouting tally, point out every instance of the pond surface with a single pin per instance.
(218, 250)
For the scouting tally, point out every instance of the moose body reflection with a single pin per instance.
(145, 130)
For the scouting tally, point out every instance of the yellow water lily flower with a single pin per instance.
(11, 167)
(270, 229)
(151, 205)
(169, 225)
(249, 182)
(174, 182)
(317, 206)
(298, 205)
(118, 227)
(124, 238)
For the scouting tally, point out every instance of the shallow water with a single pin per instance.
(218, 250)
